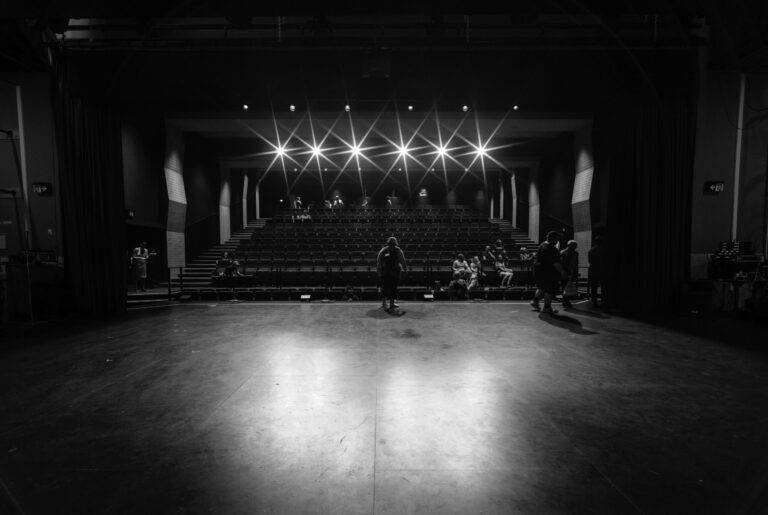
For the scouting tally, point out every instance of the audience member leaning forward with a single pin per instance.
(548, 272)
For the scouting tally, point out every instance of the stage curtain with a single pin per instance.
(648, 146)
(91, 187)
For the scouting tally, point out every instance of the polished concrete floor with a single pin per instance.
(453, 408)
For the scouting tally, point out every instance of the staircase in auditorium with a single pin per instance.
(335, 250)
(201, 270)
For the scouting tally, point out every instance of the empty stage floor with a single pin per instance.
(453, 408)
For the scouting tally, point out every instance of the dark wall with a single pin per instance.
(202, 182)
(143, 143)
(236, 209)
(753, 195)
(39, 152)
(715, 158)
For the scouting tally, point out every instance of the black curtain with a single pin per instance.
(647, 146)
(91, 181)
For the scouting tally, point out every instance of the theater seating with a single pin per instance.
(338, 248)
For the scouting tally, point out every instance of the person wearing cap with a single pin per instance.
(548, 270)
(390, 262)
(570, 259)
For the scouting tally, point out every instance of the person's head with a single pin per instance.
(460, 257)
(553, 236)
(487, 248)
(476, 259)
(572, 244)
(143, 244)
(498, 243)
(392, 241)
(226, 254)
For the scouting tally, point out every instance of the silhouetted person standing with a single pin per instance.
(139, 262)
(548, 272)
(570, 260)
(390, 263)
(595, 256)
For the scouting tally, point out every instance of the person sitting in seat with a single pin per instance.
(476, 269)
(504, 272)
(457, 288)
(230, 265)
(461, 267)
(489, 258)
(498, 247)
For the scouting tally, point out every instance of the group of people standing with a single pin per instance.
(557, 271)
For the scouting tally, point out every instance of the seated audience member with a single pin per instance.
(350, 295)
(504, 272)
(476, 269)
(461, 266)
(230, 265)
(457, 288)
(525, 256)
(489, 258)
(498, 247)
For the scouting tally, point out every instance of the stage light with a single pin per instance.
(410, 108)
(399, 169)
(316, 151)
(292, 108)
(355, 150)
(280, 151)
(480, 150)
(346, 108)
(515, 107)
(325, 169)
(441, 151)
(403, 151)
(295, 169)
(465, 108)
(245, 107)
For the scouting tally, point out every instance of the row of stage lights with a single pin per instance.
(347, 108)
(357, 151)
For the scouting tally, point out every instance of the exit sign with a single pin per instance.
(42, 188)
(714, 187)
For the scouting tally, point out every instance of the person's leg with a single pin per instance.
(392, 304)
(536, 297)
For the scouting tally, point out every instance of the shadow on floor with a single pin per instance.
(565, 322)
(586, 313)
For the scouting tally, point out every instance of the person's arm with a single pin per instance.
(378, 262)
(401, 257)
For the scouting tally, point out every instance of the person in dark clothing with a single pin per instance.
(457, 288)
(548, 271)
(595, 257)
(390, 263)
(569, 257)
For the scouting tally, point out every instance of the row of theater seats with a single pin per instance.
(230, 291)
(439, 263)
(311, 253)
(363, 215)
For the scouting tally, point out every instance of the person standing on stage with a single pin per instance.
(139, 263)
(570, 260)
(390, 263)
(548, 272)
